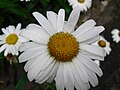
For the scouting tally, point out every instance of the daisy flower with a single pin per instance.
(83, 5)
(11, 40)
(116, 35)
(103, 43)
(59, 52)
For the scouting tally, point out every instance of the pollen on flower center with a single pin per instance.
(81, 1)
(11, 39)
(102, 43)
(63, 46)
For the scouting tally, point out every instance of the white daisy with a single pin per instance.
(83, 5)
(11, 40)
(116, 35)
(59, 53)
(103, 43)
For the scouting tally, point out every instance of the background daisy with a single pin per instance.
(58, 52)
(116, 35)
(11, 40)
(83, 5)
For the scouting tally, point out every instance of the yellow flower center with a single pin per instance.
(63, 46)
(81, 1)
(11, 39)
(102, 43)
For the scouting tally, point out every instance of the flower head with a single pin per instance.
(116, 35)
(83, 5)
(103, 43)
(59, 52)
(11, 40)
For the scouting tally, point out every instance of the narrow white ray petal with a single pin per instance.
(39, 29)
(91, 33)
(60, 20)
(11, 29)
(79, 84)
(92, 78)
(5, 31)
(44, 74)
(18, 27)
(2, 42)
(60, 78)
(22, 39)
(34, 36)
(85, 27)
(6, 51)
(3, 47)
(91, 40)
(35, 61)
(93, 49)
(81, 70)
(53, 72)
(28, 45)
(2, 37)
(44, 23)
(90, 64)
(68, 77)
(33, 72)
(72, 20)
(29, 54)
(52, 17)
(92, 56)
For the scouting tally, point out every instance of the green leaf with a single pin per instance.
(21, 83)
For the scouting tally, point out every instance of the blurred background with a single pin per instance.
(104, 12)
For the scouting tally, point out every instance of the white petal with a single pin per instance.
(33, 72)
(60, 78)
(93, 49)
(91, 33)
(11, 29)
(44, 74)
(93, 78)
(3, 47)
(6, 51)
(29, 54)
(79, 84)
(28, 45)
(53, 73)
(34, 36)
(35, 61)
(5, 31)
(85, 27)
(44, 23)
(72, 20)
(90, 64)
(60, 20)
(22, 39)
(52, 17)
(18, 27)
(92, 56)
(92, 40)
(81, 70)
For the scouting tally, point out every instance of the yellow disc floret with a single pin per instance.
(11, 39)
(81, 1)
(63, 46)
(102, 43)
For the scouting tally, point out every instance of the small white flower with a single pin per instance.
(25, 0)
(61, 53)
(11, 40)
(103, 43)
(116, 35)
(83, 5)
